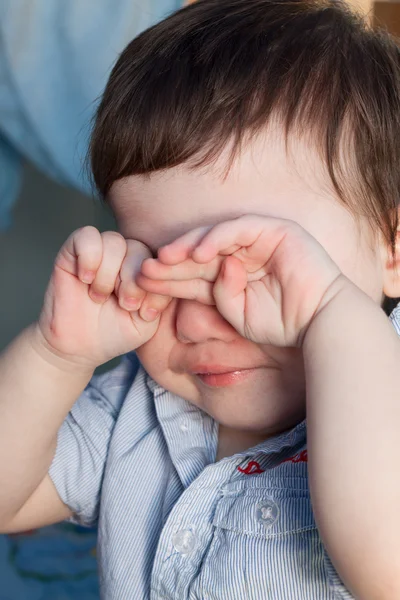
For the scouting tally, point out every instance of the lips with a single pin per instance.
(221, 377)
(218, 364)
(213, 369)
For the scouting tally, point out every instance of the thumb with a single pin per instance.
(229, 292)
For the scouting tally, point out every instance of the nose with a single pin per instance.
(197, 323)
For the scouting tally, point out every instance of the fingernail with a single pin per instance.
(99, 298)
(87, 276)
(150, 314)
(130, 303)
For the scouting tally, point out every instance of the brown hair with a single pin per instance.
(219, 70)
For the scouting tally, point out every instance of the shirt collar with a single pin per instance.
(395, 318)
(192, 435)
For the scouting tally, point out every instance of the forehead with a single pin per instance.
(264, 179)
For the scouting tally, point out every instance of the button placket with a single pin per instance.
(186, 535)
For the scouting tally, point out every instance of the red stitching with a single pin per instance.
(301, 457)
(252, 468)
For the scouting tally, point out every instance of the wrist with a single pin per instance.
(342, 318)
(332, 306)
(335, 314)
(68, 366)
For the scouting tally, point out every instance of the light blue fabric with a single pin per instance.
(55, 58)
(173, 523)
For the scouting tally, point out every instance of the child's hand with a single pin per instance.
(87, 317)
(268, 277)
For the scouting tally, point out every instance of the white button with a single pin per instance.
(184, 541)
(267, 512)
(184, 427)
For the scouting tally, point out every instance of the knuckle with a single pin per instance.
(87, 244)
(138, 247)
(114, 240)
(87, 230)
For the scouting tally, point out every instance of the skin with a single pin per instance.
(262, 269)
(332, 361)
(265, 181)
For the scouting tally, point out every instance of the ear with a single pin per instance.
(391, 268)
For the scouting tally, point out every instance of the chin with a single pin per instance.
(260, 406)
(251, 418)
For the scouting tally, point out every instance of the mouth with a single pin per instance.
(223, 377)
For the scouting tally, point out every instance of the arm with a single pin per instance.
(352, 364)
(83, 324)
(276, 285)
(36, 392)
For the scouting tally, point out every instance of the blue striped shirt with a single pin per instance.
(173, 523)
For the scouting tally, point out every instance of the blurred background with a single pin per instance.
(55, 56)
(45, 214)
(55, 563)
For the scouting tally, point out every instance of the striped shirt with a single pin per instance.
(139, 461)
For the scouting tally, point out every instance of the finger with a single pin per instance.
(130, 295)
(181, 248)
(229, 292)
(188, 269)
(242, 232)
(114, 250)
(194, 289)
(81, 254)
(153, 305)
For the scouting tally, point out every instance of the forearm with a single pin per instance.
(37, 390)
(352, 365)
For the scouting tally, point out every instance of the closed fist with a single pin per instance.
(93, 308)
(268, 277)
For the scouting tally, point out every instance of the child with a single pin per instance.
(249, 150)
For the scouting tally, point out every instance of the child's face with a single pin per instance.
(265, 390)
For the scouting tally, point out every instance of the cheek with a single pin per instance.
(353, 246)
(358, 257)
(154, 355)
(365, 270)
